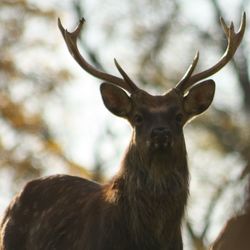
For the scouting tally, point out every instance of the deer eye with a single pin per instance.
(179, 118)
(138, 119)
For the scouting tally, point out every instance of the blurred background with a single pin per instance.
(52, 119)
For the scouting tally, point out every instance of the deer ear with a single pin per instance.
(115, 99)
(199, 98)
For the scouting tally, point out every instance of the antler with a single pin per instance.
(233, 39)
(71, 42)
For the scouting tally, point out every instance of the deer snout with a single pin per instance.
(161, 137)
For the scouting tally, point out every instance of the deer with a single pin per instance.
(235, 234)
(143, 205)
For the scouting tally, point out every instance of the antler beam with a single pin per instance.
(233, 39)
(71, 42)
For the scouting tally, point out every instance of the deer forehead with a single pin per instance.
(158, 103)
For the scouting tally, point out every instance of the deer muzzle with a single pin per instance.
(160, 138)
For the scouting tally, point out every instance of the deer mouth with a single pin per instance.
(160, 144)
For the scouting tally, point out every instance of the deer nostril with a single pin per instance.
(161, 131)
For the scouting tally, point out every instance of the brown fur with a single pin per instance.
(64, 212)
(236, 233)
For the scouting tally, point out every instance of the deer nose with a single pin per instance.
(160, 132)
(161, 137)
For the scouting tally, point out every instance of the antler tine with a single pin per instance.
(73, 34)
(233, 39)
(189, 72)
(131, 84)
(71, 42)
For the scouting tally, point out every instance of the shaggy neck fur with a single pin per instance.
(152, 192)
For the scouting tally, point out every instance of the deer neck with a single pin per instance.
(152, 192)
(158, 174)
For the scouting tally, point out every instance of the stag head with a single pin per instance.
(157, 120)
